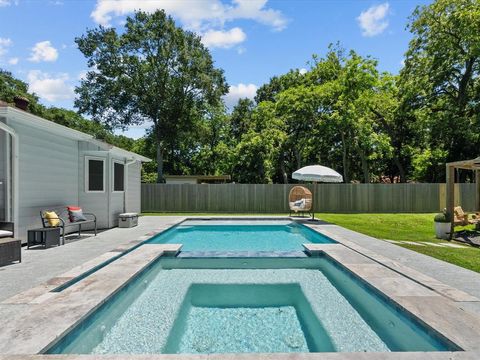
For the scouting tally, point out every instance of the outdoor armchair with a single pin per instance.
(461, 218)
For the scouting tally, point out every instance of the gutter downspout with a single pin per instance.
(127, 164)
(15, 179)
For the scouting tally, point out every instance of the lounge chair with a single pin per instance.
(6, 229)
(300, 200)
(462, 218)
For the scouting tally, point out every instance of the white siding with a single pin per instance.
(134, 187)
(3, 174)
(48, 174)
(52, 175)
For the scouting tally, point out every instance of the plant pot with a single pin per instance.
(442, 230)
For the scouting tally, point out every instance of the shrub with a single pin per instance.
(442, 218)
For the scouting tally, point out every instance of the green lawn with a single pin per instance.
(410, 227)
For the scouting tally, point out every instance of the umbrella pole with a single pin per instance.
(313, 201)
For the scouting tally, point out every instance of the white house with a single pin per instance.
(45, 165)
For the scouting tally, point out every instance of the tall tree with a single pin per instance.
(152, 72)
(440, 81)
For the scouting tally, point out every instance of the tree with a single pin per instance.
(11, 87)
(152, 72)
(440, 81)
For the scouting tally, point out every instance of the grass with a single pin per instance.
(402, 227)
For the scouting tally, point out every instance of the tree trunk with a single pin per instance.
(464, 82)
(344, 159)
(160, 179)
(401, 169)
(282, 168)
(297, 158)
(366, 172)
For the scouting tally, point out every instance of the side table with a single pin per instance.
(43, 236)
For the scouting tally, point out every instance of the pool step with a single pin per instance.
(240, 254)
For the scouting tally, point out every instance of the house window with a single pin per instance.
(95, 175)
(118, 176)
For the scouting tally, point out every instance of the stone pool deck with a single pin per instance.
(40, 265)
(443, 295)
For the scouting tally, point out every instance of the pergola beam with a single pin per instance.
(477, 185)
(474, 165)
(450, 195)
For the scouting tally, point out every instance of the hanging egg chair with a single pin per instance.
(300, 200)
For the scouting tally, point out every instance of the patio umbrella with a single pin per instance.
(317, 173)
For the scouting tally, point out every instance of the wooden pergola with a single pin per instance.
(473, 165)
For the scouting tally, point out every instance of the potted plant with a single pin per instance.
(442, 225)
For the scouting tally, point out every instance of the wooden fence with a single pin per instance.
(273, 198)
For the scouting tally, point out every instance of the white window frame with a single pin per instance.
(113, 176)
(87, 170)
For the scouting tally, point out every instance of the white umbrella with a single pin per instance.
(317, 173)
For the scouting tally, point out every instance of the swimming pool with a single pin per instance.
(225, 236)
(240, 235)
(248, 305)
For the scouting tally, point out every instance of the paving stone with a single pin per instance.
(433, 244)
(455, 246)
(393, 241)
(412, 243)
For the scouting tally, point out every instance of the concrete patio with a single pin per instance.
(39, 265)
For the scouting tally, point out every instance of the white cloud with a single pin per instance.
(43, 51)
(5, 43)
(7, 3)
(50, 87)
(194, 14)
(82, 75)
(239, 91)
(303, 71)
(223, 39)
(373, 20)
(13, 61)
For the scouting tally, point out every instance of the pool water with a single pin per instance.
(243, 318)
(240, 236)
(248, 305)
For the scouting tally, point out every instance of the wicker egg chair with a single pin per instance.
(297, 194)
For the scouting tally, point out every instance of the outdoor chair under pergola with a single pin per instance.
(473, 165)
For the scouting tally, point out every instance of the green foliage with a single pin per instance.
(343, 112)
(11, 87)
(441, 218)
(440, 81)
(152, 71)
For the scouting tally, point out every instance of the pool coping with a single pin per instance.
(406, 287)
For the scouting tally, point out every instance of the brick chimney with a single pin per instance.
(21, 102)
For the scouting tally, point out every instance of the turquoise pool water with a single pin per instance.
(226, 236)
(248, 305)
(237, 235)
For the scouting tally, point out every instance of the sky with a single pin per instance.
(252, 40)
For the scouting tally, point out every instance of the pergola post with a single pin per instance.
(450, 195)
(477, 186)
